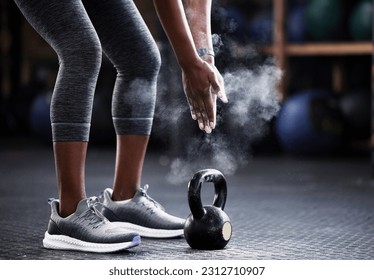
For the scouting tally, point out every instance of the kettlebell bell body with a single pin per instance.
(208, 227)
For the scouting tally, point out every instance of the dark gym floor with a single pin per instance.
(281, 208)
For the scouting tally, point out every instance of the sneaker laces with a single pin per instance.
(51, 199)
(97, 218)
(144, 190)
(93, 203)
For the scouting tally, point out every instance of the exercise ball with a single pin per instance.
(323, 19)
(296, 28)
(309, 123)
(233, 22)
(361, 21)
(260, 28)
(40, 123)
(356, 111)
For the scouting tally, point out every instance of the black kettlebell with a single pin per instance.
(208, 227)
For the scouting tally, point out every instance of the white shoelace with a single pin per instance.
(144, 193)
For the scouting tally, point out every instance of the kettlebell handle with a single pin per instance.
(194, 191)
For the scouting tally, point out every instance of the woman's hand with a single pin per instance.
(187, 26)
(202, 83)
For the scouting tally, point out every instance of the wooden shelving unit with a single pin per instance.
(282, 50)
(320, 49)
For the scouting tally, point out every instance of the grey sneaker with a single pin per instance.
(86, 230)
(143, 215)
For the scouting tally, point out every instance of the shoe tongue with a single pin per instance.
(143, 193)
(82, 206)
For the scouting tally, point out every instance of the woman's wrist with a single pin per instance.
(206, 54)
(192, 57)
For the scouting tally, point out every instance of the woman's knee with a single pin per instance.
(82, 56)
(140, 63)
(152, 60)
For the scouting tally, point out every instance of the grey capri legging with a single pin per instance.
(79, 31)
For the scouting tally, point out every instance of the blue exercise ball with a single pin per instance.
(234, 23)
(309, 123)
(296, 27)
(260, 28)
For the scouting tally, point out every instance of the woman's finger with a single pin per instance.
(218, 86)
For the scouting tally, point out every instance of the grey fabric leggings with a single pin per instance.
(79, 31)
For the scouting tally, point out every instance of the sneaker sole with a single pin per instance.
(63, 242)
(151, 232)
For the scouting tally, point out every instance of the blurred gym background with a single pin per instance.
(324, 48)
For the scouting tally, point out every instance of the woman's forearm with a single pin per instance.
(173, 19)
(188, 29)
(198, 16)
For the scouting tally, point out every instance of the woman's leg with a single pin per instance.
(66, 26)
(70, 160)
(129, 45)
(129, 165)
